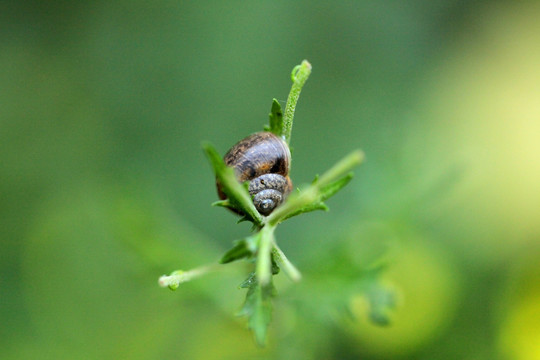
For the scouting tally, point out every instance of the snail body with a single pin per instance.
(264, 160)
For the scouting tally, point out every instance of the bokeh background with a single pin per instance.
(104, 187)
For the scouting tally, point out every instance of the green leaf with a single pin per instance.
(276, 119)
(325, 192)
(223, 203)
(311, 198)
(308, 208)
(226, 204)
(258, 307)
(244, 248)
(246, 284)
(331, 189)
(244, 218)
(236, 193)
(239, 251)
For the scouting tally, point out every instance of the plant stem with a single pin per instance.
(264, 267)
(341, 168)
(179, 276)
(286, 265)
(299, 76)
(309, 195)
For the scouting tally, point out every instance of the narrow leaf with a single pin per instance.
(236, 193)
(276, 119)
(332, 188)
(308, 208)
(239, 251)
(223, 203)
(244, 218)
(226, 204)
(325, 192)
(243, 248)
(325, 186)
(246, 284)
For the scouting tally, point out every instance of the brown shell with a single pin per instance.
(258, 154)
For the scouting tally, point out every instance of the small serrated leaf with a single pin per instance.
(247, 283)
(276, 119)
(258, 307)
(239, 251)
(243, 248)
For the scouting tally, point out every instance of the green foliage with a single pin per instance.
(258, 304)
(102, 172)
(243, 249)
(325, 193)
(261, 247)
(276, 119)
(237, 195)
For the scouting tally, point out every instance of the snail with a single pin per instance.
(264, 160)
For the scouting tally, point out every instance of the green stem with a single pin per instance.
(299, 76)
(312, 193)
(340, 169)
(286, 265)
(179, 276)
(263, 268)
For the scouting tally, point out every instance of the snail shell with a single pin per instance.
(264, 160)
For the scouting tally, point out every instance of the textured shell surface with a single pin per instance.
(264, 159)
(260, 153)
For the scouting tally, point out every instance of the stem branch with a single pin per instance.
(310, 194)
(286, 265)
(341, 168)
(263, 268)
(179, 276)
(299, 76)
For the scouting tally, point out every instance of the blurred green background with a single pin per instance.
(104, 187)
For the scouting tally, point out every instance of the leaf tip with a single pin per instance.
(359, 156)
(307, 64)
